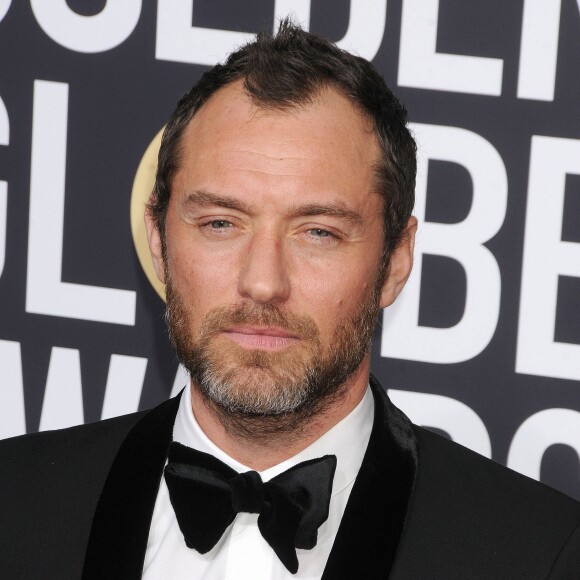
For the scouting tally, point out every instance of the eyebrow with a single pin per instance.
(205, 198)
(331, 209)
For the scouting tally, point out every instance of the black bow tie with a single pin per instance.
(206, 495)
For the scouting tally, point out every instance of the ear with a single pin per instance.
(400, 265)
(154, 240)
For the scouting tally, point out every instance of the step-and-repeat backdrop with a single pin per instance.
(483, 345)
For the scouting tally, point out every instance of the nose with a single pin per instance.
(264, 275)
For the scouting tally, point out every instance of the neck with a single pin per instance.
(262, 442)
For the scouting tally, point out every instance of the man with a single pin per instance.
(280, 224)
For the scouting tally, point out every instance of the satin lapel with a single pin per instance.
(367, 540)
(120, 529)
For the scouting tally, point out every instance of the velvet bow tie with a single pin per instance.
(206, 495)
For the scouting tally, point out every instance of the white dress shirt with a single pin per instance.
(242, 553)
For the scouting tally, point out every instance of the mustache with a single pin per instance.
(222, 318)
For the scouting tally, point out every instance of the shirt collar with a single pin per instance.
(348, 440)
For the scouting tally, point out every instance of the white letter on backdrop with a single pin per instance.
(546, 257)
(63, 397)
(4, 5)
(179, 41)
(461, 422)
(539, 49)
(402, 336)
(12, 418)
(298, 9)
(421, 66)
(366, 27)
(124, 385)
(182, 379)
(45, 291)
(4, 140)
(539, 432)
(103, 31)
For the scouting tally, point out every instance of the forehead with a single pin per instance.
(323, 146)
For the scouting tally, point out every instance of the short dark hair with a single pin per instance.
(289, 69)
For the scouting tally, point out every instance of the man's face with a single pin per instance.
(273, 244)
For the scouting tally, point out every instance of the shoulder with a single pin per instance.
(101, 430)
(80, 448)
(51, 460)
(482, 515)
(458, 470)
(49, 489)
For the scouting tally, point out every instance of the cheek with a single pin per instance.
(203, 282)
(346, 286)
(332, 297)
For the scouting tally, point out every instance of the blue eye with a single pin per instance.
(319, 233)
(220, 224)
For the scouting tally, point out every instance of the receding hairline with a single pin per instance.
(260, 106)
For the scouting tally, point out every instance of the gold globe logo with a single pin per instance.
(142, 188)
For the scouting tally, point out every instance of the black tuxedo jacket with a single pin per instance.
(77, 503)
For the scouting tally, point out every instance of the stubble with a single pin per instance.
(256, 394)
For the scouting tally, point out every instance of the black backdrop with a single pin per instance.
(484, 344)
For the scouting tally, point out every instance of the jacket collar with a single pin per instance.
(118, 538)
(369, 533)
(367, 540)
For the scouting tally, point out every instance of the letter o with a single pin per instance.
(89, 34)
(4, 6)
(537, 433)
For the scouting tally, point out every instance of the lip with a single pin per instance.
(269, 338)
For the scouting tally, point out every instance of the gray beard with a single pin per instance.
(257, 394)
